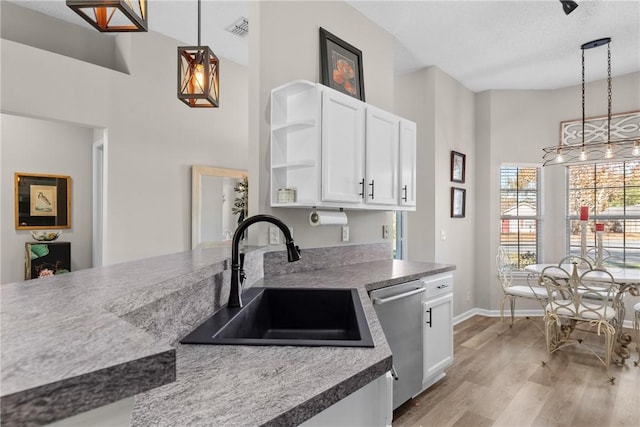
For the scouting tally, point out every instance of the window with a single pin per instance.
(520, 213)
(612, 193)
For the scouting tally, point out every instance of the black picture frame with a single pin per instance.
(458, 166)
(458, 202)
(341, 65)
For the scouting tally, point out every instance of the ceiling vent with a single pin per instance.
(240, 27)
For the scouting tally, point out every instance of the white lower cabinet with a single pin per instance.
(369, 406)
(437, 338)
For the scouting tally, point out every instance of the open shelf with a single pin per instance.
(294, 165)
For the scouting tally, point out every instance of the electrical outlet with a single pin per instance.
(443, 234)
(274, 236)
(385, 231)
(345, 233)
(468, 296)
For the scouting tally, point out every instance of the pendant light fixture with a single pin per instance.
(595, 150)
(198, 71)
(112, 16)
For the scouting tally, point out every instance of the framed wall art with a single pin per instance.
(458, 200)
(341, 65)
(458, 166)
(42, 201)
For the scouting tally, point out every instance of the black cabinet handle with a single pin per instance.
(372, 189)
(404, 189)
(430, 318)
(361, 193)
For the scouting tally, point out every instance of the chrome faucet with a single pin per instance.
(237, 260)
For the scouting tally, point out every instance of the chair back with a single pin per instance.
(505, 268)
(586, 296)
(583, 263)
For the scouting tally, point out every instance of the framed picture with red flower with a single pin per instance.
(340, 65)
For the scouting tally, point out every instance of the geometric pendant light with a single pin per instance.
(198, 75)
(111, 16)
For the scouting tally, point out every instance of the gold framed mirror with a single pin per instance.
(216, 196)
(42, 201)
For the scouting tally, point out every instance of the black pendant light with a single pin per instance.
(568, 6)
(112, 16)
(198, 73)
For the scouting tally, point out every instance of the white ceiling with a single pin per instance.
(483, 44)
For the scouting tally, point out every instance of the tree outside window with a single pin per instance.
(612, 193)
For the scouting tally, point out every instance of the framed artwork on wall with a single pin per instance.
(458, 166)
(458, 199)
(42, 201)
(341, 65)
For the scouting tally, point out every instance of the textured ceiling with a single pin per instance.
(510, 44)
(483, 44)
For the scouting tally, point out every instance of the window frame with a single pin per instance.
(539, 209)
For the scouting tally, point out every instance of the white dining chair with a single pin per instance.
(510, 291)
(584, 302)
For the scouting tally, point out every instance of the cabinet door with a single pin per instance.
(438, 335)
(407, 163)
(342, 148)
(381, 157)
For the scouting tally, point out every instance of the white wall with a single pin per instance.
(284, 46)
(44, 147)
(415, 100)
(153, 138)
(444, 112)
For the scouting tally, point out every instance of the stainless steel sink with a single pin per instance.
(289, 316)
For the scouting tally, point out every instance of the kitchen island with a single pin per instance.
(64, 336)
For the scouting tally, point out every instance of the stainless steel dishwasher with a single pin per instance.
(399, 309)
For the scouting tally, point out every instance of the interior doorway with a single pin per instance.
(99, 195)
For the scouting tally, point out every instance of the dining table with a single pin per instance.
(627, 281)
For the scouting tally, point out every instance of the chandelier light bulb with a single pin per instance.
(636, 149)
(609, 153)
(559, 159)
(583, 155)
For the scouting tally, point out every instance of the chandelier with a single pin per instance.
(198, 74)
(596, 150)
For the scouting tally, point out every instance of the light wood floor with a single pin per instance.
(498, 380)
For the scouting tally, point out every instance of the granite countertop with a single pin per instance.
(77, 341)
(276, 386)
(68, 345)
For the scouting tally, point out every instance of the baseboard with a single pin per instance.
(519, 313)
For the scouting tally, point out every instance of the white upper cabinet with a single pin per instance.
(407, 173)
(342, 148)
(337, 151)
(381, 157)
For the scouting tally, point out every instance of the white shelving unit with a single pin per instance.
(295, 142)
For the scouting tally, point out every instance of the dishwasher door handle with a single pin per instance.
(399, 296)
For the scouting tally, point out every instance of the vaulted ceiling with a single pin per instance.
(483, 44)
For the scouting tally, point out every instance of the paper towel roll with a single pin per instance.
(327, 218)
